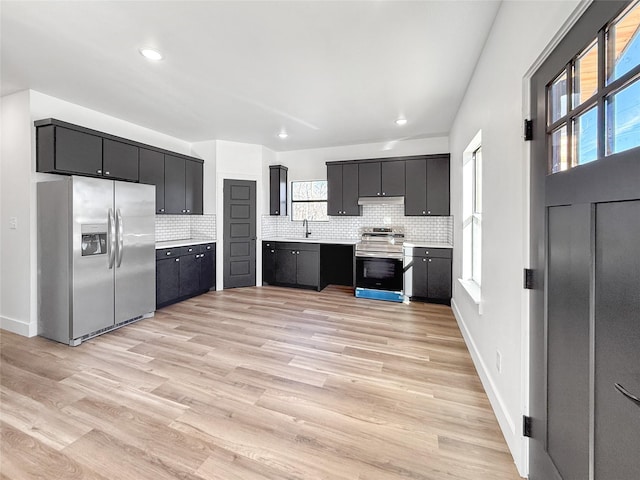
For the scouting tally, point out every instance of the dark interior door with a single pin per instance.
(584, 308)
(239, 238)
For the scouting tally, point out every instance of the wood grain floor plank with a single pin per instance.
(254, 384)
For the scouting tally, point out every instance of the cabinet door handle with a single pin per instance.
(168, 253)
(384, 193)
(428, 212)
(161, 210)
(188, 211)
(297, 253)
(424, 259)
(177, 259)
(378, 193)
(106, 173)
(99, 172)
(424, 212)
(273, 251)
(429, 259)
(426, 252)
(293, 252)
(276, 212)
(627, 394)
(191, 249)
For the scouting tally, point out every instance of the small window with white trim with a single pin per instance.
(472, 217)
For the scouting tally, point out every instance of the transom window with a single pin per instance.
(593, 104)
(309, 200)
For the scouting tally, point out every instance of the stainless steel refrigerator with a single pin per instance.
(96, 256)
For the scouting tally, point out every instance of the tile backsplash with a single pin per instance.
(179, 227)
(429, 229)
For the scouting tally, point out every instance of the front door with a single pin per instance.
(585, 224)
(239, 236)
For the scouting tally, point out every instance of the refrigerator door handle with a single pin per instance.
(111, 234)
(120, 234)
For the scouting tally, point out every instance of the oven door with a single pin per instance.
(379, 273)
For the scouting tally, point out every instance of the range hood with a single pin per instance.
(381, 201)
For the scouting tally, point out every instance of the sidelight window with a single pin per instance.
(309, 200)
(593, 104)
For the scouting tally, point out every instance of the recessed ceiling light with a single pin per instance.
(283, 135)
(151, 54)
(401, 121)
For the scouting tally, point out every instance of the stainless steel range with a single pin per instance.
(379, 264)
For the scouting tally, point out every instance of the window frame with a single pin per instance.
(598, 100)
(294, 201)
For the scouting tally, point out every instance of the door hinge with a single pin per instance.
(529, 279)
(528, 130)
(526, 426)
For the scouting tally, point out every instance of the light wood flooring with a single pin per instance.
(254, 383)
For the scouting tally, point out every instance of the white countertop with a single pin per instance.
(184, 242)
(421, 244)
(335, 241)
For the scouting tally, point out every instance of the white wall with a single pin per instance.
(239, 161)
(18, 310)
(17, 304)
(207, 152)
(494, 104)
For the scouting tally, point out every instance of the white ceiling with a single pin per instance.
(328, 72)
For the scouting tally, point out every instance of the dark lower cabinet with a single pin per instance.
(167, 281)
(291, 264)
(268, 263)
(431, 275)
(184, 272)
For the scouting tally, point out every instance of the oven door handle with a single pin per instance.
(385, 256)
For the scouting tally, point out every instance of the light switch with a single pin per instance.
(13, 223)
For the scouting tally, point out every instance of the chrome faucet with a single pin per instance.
(305, 224)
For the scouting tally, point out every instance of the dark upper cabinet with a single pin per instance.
(69, 149)
(277, 190)
(342, 189)
(392, 176)
(369, 179)
(62, 150)
(380, 179)
(182, 186)
(427, 186)
(152, 173)
(174, 185)
(119, 160)
(438, 186)
(193, 187)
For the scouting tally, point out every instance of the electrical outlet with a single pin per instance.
(498, 361)
(13, 223)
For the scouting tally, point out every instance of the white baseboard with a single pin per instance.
(511, 434)
(19, 327)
